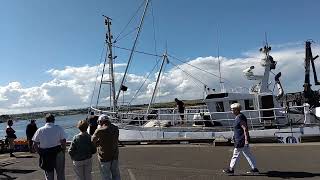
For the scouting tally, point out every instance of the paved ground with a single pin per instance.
(187, 162)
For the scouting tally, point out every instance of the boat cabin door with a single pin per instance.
(267, 115)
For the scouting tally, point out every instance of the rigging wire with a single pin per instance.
(222, 89)
(154, 36)
(188, 74)
(98, 69)
(145, 79)
(132, 31)
(154, 30)
(133, 47)
(225, 80)
(158, 90)
(195, 66)
(101, 80)
(156, 56)
(135, 14)
(141, 52)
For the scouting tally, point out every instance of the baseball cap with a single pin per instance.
(235, 106)
(103, 117)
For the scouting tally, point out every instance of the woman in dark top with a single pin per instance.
(81, 150)
(11, 136)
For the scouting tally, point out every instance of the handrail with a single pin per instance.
(171, 114)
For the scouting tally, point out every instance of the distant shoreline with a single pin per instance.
(37, 115)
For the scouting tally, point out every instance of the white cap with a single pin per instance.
(235, 106)
(103, 117)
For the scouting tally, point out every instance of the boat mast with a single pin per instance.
(165, 59)
(132, 49)
(268, 63)
(111, 58)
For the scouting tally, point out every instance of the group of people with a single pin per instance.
(105, 139)
(11, 136)
(50, 142)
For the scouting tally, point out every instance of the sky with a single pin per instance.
(51, 51)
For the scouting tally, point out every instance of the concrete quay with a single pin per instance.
(186, 162)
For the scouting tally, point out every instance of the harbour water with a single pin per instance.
(69, 124)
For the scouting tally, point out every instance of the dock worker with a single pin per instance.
(241, 141)
(106, 140)
(180, 107)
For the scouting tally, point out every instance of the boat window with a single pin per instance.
(248, 104)
(219, 106)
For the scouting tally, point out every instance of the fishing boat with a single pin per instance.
(269, 114)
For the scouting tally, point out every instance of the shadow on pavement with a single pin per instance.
(291, 174)
(25, 156)
(4, 176)
(286, 174)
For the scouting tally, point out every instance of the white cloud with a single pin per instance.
(72, 87)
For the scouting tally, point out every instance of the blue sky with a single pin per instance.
(39, 35)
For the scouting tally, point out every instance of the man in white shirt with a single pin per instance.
(50, 143)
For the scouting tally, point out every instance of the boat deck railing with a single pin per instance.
(196, 115)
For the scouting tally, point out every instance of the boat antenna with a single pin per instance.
(122, 87)
(266, 39)
(268, 66)
(219, 62)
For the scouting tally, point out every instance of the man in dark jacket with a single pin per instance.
(241, 141)
(106, 140)
(31, 129)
